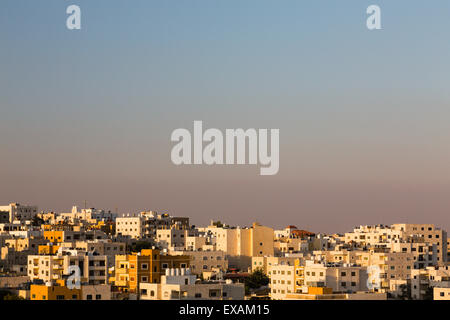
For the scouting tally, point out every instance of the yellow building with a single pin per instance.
(299, 279)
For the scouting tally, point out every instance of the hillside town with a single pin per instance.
(95, 254)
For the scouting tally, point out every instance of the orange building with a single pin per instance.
(144, 267)
(48, 249)
(54, 236)
(54, 292)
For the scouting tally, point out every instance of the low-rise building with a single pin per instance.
(179, 284)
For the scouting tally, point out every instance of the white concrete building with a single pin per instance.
(179, 284)
(16, 211)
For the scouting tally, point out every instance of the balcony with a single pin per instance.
(122, 283)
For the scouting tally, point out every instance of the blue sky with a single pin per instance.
(363, 115)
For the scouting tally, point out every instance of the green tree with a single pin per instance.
(256, 280)
(10, 296)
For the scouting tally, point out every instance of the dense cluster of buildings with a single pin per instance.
(92, 254)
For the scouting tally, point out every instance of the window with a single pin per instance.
(89, 297)
(98, 297)
(144, 266)
(198, 295)
(213, 293)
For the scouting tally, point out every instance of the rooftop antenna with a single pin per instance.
(85, 204)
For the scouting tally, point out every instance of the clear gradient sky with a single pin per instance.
(364, 116)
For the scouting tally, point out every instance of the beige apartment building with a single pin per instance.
(204, 261)
(49, 268)
(372, 235)
(17, 212)
(241, 244)
(339, 277)
(180, 284)
(173, 238)
(75, 233)
(207, 261)
(265, 262)
(291, 245)
(199, 242)
(384, 267)
(91, 215)
(14, 261)
(99, 246)
(336, 256)
(14, 253)
(424, 254)
(130, 226)
(429, 233)
(282, 280)
(424, 280)
(25, 244)
(147, 223)
(441, 293)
